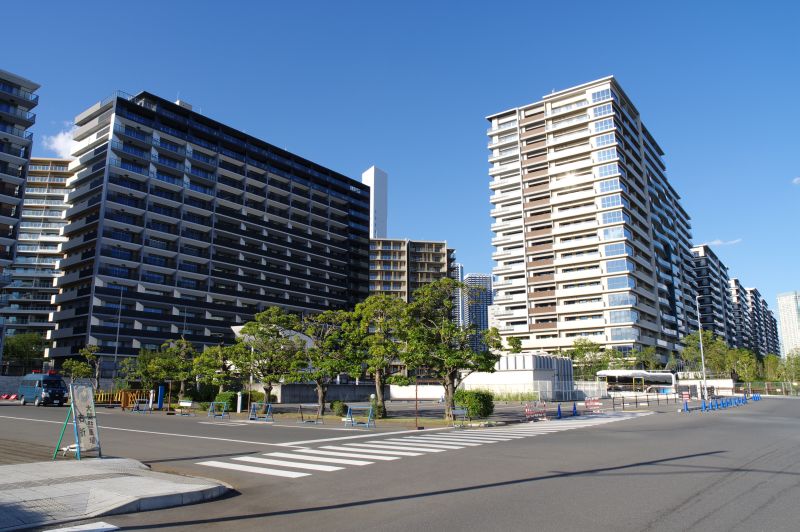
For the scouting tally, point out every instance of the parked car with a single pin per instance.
(43, 389)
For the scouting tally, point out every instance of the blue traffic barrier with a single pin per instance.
(717, 404)
(574, 409)
(686, 406)
(703, 406)
(558, 412)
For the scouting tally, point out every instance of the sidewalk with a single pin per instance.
(45, 493)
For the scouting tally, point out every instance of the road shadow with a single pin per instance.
(476, 487)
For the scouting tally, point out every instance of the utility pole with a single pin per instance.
(702, 353)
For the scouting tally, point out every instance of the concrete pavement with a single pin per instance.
(45, 493)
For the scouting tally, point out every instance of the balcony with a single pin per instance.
(19, 133)
(21, 96)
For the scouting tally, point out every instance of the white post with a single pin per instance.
(238, 402)
(702, 353)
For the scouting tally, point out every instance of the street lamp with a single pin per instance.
(702, 353)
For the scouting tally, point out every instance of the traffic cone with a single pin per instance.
(574, 409)
(703, 406)
(558, 413)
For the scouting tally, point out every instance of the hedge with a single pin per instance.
(478, 403)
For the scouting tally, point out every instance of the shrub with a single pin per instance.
(204, 405)
(477, 403)
(339, 408)
(255, 397)
(229, 398)
(378, 411)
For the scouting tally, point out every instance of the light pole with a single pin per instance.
(702, 352)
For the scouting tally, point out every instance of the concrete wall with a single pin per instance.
(307, 393)
(425, 392)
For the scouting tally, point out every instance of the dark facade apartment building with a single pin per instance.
(182, 226)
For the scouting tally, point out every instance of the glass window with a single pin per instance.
(606, 155)
(603, 125)
(607, 170)
(622, 316)
(604, 140)
(607, 202)
(620, 299)
(623, 281)
(603, 110)
(612, 233)
(609, 185)
(624, 333)
(619, 265)
(613, 217)
(618, 248)
(599, 96)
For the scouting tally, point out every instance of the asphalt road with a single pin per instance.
(737, 469)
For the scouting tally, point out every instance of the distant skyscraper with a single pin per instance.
(462, 316)
(378, 182)
(398, 266)
(478, 301)
(25, 303)
(591, 241)
(763, 325)
(789, 315)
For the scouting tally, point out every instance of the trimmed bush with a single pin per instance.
(477, 403)
(255, 397)
(339, 408)
(229, 398)
(377, 410)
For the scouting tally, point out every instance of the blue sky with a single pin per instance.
(407, 85)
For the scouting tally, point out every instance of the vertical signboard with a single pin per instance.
(87, 437)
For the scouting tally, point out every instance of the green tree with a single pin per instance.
(270, 347)
(772, 367)
(89, 354)
(26, 350)
(140, 369)
(439, 345)
(376, 333)
(647, 358)
(329, 354)
(746, 366)
(76, 369)
(177, 362)
(588, 358)
(514, 344)
(716, 351)
(213, 366)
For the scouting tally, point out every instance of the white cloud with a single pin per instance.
(719, 242)
(796, 181)
(61, 143)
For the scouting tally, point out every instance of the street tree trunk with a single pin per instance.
(267, 392)
(379, 393)
(322, 389)
(182, 392)
(449, 384)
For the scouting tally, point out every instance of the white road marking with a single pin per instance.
(406, 443)
(348, 454)
(392, 449)
(99, 526)
(285, 463)
(367, 435)
(465, 443)
(360, 449)
(320, 459)
(251, 469)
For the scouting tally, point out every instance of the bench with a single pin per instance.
(536, 411)
(459, 417)
(351, 421)
(218, 409)
(260, 411)
(593, 405)
(186, 407)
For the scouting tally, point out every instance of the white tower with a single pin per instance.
(378, 182)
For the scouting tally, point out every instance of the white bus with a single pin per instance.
(637, 380)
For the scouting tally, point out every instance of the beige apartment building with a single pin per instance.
(590, 238)
(400, 266)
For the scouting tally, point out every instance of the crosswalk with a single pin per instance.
(334, 456)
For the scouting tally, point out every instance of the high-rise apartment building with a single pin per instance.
(17, 98)
(479, 297)
(789, 316)
(461, 297)
(378, 182)
(399, 266)
(713, 290)
(182, 226)
(590, 238)
(763, 333)
(741, 314)
(26, 301)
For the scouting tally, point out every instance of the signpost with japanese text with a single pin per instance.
(84, 421)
